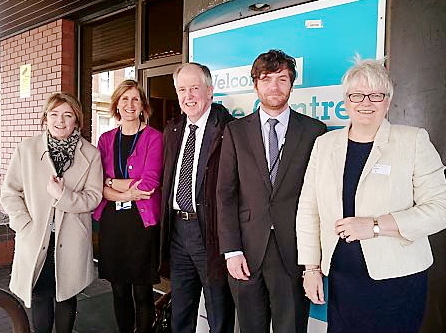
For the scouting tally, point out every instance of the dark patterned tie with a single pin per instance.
(273, 149)
(184, 191)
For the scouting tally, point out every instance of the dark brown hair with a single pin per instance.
(271, 62)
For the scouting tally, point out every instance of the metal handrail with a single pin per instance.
(15, 311)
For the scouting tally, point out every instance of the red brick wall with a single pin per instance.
(50, 51)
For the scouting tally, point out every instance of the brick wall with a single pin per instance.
(50, 49)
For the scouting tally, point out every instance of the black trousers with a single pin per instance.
(45, 311)
(188, 278)
(271, 293)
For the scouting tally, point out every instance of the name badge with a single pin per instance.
(120, 205)
(381, 169)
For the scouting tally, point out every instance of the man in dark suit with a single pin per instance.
(263, 161)
(192, 146)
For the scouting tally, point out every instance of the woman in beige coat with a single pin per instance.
(373, 193)
(53, 182)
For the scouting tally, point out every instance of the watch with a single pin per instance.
(110, 182)
(376, 229)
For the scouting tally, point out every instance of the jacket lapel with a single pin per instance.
(382, 137)
(338, 156)
(293, 137)
(205, 150)
(172, 146)
(46, 154)
(174, 142)
(256, 142)
(339, 153)
(75, 173)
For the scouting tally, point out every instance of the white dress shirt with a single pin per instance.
(199, 133)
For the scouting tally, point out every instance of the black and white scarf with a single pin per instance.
(62, 151)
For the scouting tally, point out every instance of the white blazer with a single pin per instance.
(403, 176)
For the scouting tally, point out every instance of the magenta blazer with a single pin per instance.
(146, 163)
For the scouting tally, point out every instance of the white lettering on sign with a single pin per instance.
(238, 79)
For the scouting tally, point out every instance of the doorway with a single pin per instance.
(158, 83)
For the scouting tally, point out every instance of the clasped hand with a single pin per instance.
(354, 228)
(135, 194)
(55, 187)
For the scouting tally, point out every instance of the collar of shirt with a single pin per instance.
(201, 123)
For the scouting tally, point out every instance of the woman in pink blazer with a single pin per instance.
(130, 211)
(373, 193)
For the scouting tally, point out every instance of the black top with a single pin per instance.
(128, 144)
(357, 154)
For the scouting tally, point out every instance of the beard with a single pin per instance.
(274, 102)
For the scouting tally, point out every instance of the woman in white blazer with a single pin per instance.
(372, 195)
(52, 184)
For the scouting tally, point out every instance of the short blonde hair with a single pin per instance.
(120, 90)
(57, 99)
(370, 71)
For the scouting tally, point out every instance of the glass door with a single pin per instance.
(158, 83)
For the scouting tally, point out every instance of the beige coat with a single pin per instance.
(403, 176)
(30, 208)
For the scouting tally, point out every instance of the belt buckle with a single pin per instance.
(185, 216)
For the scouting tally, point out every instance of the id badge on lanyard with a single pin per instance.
(123, 205)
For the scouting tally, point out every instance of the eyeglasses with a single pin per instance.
(373, 97)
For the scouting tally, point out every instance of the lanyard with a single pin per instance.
(124, 171)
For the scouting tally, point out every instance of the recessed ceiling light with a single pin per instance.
(259, 7)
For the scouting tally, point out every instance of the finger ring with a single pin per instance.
(347, 240)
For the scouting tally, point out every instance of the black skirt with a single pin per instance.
(128, 252)
(356, 302)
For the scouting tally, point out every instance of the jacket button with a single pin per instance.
(44, 248)
(60, 245)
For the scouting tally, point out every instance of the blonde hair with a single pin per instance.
(120, 90)
(57, 99)
(370, 71)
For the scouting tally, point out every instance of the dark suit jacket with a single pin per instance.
(247, 203)
(206, 183)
